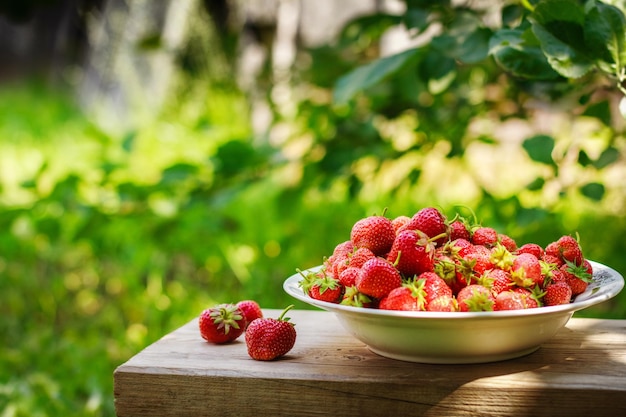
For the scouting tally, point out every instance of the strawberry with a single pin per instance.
(430, 221)
(416, 294)
(325, 288)
(508, 242)
(485, 236)
(511, 300)
(375, 233)
(446, 303)
(399, 222)
(526, 270)
(250, 309)
(433, 286)
(352, 297)
(501, 257)
(412, 253)
(348, 277)
(497, 280)
(222, 323)
(532, 248)
(402, 298)
(360, 256)
(458, 229)
(566, 248)
(475, 297)
(377, 278)
(556, 293)
(447, 269)
(532, 296)
(577, 277)
(269, 338)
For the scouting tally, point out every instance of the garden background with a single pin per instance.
(160, 157)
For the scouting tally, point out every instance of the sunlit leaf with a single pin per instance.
(370, 74)
(593, 190)
(605, 34)
(513, 52)
(608, 157)
(558, 25)
(540, 148)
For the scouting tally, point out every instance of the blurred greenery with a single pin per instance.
(109, 241)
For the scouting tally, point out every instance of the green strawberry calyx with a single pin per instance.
(226, 316)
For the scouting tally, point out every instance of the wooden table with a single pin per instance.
(581, 371)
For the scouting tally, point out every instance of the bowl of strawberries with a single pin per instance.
(433, 289)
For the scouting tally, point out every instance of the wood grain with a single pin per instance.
(581, 371)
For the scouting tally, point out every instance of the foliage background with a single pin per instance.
(109, 240)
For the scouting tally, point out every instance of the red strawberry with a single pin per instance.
(556, 293)
(399, 222)
(412, 253)
(433, 286)
(344, 248)
(511, 300)
(446, 303)
(377, 278)
(349, 275)
(269, 338)
(325, 288)
(375, 233)
(508, 242)
(577, 277)
(430, 221)
(250, 309)
(501, 257)
(458, 230)
(447, 269)
(497, 280)
(475, 297)
(360, 256)
(480, 258)
(566, 248)
(485, 236)
(222, 323)
(526, 271)
(532, 296)
(532, 248)
(352, 297)
(402, 298)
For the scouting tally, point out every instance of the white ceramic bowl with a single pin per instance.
(432, 337)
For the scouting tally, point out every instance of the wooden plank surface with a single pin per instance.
(581, 371)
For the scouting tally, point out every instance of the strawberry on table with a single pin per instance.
(222, 323)
(250, 309)
(268, 338)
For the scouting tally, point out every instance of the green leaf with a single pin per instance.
(416, 18)
(437, 70)
(601, 111)
(536, 184)
(540, 148)
(514, 51)
(593, 190)
(608, 157)
(475, 47)
(605, 34)
(371, 74)
(559, 27)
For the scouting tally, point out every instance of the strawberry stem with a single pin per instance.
(282, 315)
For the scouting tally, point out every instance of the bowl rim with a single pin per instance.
(606, 284)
